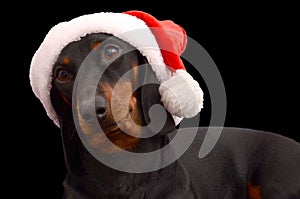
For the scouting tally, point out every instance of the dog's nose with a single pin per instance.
(101, 107)
(87, 109)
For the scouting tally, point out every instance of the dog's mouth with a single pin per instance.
(116, 128)
(120, 131)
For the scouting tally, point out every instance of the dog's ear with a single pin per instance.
(71, 140)
(62, 109)
(149, 96)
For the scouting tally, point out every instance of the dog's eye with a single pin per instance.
(111, 51)
(62, 75)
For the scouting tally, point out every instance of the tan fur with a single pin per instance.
(65, 61)
(95, 44)
(66, 100)
(254, 191)
(125, 116)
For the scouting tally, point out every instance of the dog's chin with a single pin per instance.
(115, 137)
(124, 125)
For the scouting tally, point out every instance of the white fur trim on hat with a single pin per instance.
(126, 27)
(130, 29)
(181, 95)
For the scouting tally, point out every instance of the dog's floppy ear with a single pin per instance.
(71, 140)
(149, 96)
(62, 109)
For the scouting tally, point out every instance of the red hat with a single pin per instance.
(170, 37)
(161, 42)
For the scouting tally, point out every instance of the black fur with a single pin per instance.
(241, 155)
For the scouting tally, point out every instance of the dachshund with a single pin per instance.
(244, 163)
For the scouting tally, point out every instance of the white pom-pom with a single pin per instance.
(181, 95)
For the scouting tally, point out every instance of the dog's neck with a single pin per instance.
(89, 178)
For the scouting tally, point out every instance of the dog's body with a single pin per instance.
(243, 164)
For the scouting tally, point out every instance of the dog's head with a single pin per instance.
(87, 77)
(116, 100)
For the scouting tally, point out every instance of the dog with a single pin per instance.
(244, 163)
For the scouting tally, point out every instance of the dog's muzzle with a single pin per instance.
(98, 106)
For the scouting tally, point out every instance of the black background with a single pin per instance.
(253, 46)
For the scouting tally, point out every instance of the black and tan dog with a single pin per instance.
(243, 164)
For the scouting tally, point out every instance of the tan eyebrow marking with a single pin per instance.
(95, 44)
(65, 61)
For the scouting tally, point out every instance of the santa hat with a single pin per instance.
(161, 42)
